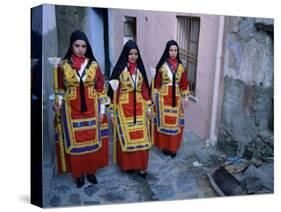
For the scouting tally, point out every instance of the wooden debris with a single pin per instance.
(225, 184)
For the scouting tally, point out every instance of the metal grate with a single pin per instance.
(188, 40)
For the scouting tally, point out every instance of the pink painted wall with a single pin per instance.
(199, 113)
(154, 29)
(151, 36)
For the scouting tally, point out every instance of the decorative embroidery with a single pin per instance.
(71, 126)
(133, 137)
(168, 119)
(71, 144)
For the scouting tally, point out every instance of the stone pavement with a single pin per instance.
(167, 179)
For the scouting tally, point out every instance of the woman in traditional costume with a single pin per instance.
(170, 87)
(132, 105)
(82, 99)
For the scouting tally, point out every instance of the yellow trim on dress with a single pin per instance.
(71, 82)
(167, 110)
(126, 123)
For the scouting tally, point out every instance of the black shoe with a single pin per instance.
(80, 182)
(172, 154)
(165, 152)
(92, 178)
(143, 174)
(130, 171)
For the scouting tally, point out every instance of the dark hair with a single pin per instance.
(165, 54)
(162, 60)
(79, 35)
(123, 61)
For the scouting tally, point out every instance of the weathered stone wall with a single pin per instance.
(246, 125)
(68, 19)
(89, 20)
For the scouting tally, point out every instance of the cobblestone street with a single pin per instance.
(167, 179)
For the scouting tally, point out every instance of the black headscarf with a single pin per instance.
(165, 54)
(79, 35)
(122, 63)
(163, 59)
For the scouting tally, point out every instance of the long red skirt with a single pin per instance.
(131, 160)
(168, 142)
(89, 163)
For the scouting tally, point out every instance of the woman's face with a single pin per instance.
(173, 52)
(79, 48)
(133, 56)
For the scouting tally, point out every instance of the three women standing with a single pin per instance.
(82, 95)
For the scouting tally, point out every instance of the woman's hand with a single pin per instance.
(56, 107)
(149, 113)
(154, 97)
(102, 115)
(185, 102)
(112, 118)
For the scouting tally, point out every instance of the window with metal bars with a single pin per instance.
(188, 39)
(130, 28)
